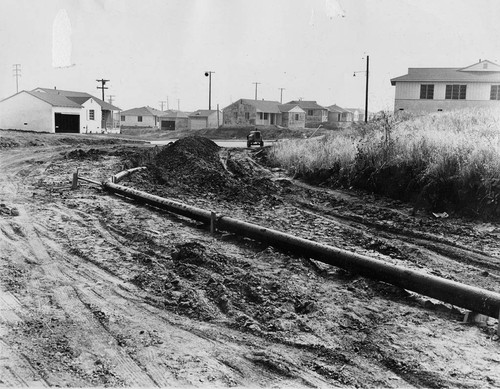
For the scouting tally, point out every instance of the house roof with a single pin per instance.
(143, 111)
(263, 105)
(306, 104)
(203, 113)
(471, 73)
(77, 96)
(55, 99)
(174, 114)
(288, 107)
(336, 108)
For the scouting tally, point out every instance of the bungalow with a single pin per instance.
(252, 112)
(444, 89)
(249, 112)
(292, 116)
(315, 113)
(141, 117)
(108, 121)
(174, 120)
(43, 111)
(358, 114)
(204, 118)
(338, 114)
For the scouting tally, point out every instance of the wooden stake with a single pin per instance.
(74, 184)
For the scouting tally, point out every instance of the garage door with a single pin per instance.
(67, 123)
(168, 125)
(198, 123)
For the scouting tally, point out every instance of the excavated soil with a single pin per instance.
(98, 290)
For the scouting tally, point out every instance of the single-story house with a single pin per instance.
(204, 118)
(174, 120)
(247, 112)
(358, 114)
(315, 113)
(141, 117)
(444, 89)
(292, 116)
(338, 114)
(108, 121)
(47, 110)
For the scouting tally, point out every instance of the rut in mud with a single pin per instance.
(122, 294)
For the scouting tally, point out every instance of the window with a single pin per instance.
(247, 115)
(455, 92)
(91, 114)
(495, 92)
(296, 116)
(139, 118)
(266, 115)
(260, 115)
(310, 112)
(123, 118)
(427, 91)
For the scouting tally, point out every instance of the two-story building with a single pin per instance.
(445, 89)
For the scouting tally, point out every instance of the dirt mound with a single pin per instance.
(80, 154)
(196, 165)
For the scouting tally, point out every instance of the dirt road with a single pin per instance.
(96, 290)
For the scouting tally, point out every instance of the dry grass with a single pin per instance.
(452, 156)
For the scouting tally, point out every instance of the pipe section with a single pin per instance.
(475, 299)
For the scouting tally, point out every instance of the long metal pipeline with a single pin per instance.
(469, 297)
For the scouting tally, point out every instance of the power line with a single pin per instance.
(102, 87)
(17, 73)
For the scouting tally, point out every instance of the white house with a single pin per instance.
(444, 89)
(103, 118)
(49, 112)
(141, 117)
(204, 118)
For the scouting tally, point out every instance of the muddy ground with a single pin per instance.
(98, 290)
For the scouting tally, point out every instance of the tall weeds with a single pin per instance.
(445, 160)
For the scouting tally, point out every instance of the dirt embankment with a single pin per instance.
(103, 291)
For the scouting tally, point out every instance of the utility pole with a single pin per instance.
(178, 104)
(256, 83)
(367, 71)
(281, 95)
(208, 74)
(110, 98)
(17, 73)
(168, 109)
(161, 104)
(102, 87)
(366, 93)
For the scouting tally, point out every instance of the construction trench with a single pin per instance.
(476, 300)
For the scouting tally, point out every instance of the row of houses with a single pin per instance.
(421, 90)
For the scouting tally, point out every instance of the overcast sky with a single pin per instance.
(155, 50)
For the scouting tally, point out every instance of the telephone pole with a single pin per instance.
(110, 98)
(162, 102)
(208, 74)
(256, 83)
(178, 104)
(281, 95)
(102, 87)
(17, 73)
